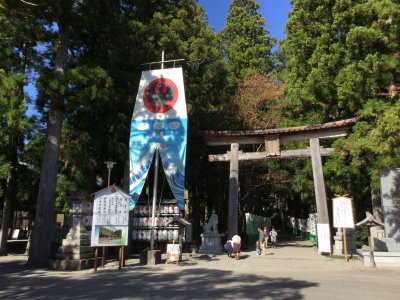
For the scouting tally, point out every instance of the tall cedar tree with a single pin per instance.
(58, 17)
(16, 58)
(342, 61)
(246, 43)
(368, 85)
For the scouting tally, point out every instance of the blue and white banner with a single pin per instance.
(159, 121)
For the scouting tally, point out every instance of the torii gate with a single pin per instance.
(272, 139)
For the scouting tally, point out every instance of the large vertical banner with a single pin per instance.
(159, 121)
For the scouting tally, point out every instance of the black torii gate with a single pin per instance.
(272, 139)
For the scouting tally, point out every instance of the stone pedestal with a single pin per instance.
(211, 239)
(338, 248)
(150, 257)
(386, 244)
(75, 253)
(376, 232)
(211, 243)
(381, 259)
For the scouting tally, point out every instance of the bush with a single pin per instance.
(361, 234)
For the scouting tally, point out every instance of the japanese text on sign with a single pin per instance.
(324, 238)
(111, 210)
(342, 213)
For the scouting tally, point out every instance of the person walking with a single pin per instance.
(266, 237)
(260, 241)
(273, 234)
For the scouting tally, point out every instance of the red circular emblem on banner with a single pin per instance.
(160, 95)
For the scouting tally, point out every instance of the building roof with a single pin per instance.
(297, 133)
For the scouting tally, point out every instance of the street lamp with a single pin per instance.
(110, 165)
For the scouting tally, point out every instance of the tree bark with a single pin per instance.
(7, 211)
(41, 236)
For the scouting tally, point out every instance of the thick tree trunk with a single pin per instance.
(41, 236)
(7, 211)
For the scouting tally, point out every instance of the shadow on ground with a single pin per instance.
(139, 282)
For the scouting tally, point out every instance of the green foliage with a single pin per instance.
(14, 126)
(247, 45)
(361, 234)
(341, 59)
(16, 61)
(103, 75)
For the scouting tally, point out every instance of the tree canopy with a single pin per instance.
(339, 59)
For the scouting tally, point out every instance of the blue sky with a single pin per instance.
(275, 13)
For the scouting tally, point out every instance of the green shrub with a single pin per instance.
(361, 234)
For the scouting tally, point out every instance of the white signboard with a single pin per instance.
(110, 220)
(342, 212)
(173, 252)
(324, 238)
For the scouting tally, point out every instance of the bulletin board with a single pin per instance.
(110, 220)
(173, 253)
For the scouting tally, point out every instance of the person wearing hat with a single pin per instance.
(236, 241)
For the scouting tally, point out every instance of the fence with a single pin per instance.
(252, 223)
(304, 228)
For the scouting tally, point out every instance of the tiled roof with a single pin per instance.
(297, 129)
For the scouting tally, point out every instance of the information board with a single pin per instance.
(342, 212)
(324, 238)
(173, 253)
(110, 220)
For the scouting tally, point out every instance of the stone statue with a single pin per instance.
(212, 225)
(210, 239)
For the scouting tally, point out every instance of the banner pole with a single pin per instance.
(153, 210)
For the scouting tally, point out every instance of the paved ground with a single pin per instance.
(292, 271)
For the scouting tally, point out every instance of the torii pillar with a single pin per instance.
(324, 243)
(233, 191)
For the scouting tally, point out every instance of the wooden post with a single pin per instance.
(119, 258)
(180, 243)
(319, 184)
(103, 256)
(123, 256)
(233, 191)
(345, 245)
(96, 255)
